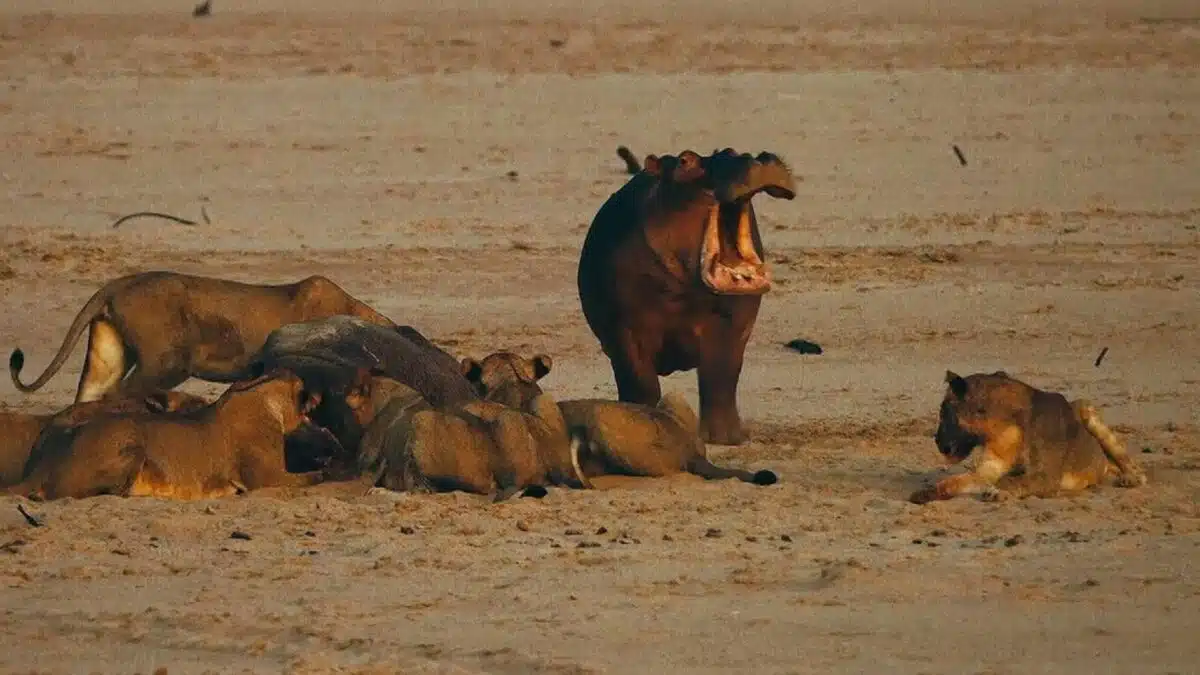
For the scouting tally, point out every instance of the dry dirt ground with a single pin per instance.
(444, 163)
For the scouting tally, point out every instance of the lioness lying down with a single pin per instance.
(610, 437)
(153, 330)
(1034, 442)
(632, 439)
(233, 445)
(22, 435)
(478, 446)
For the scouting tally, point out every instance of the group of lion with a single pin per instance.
(323, 387)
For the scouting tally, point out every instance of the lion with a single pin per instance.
(633, 439)
(23, 434)
(609, 437)
(154, 330)
(404, 443)
(231, 446)
(1035, 442)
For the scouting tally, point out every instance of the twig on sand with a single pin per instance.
(1101, 357)
(156, 214)
(29, 517)
(203, 9)
(962, 159)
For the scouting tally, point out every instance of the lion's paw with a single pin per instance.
(1131, 479)
(995, 495)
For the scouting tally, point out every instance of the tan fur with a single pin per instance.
(480, 446)
(1031, 442)
(178, 326)
(232, 445)
(21, 434)
(638, 440)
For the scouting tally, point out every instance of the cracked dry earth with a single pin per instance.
(443, 165)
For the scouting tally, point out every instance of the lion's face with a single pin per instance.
(507, 378)
(972, 408)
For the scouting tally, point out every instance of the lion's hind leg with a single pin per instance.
(105, 363)
(1130, 474)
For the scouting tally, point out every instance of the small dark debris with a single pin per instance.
(238, 534)
(202, 9)
(918, 541)
(1101, 357)
(751, 538)
(406, 529)
(804, 346)
(572, 532)
(932, 544)
(309, 552)
(713, 533)
(34, 521)
(1074, 537)
(1091, 583)
(1147, 450)
(785, 537)
(667, 537)
(120, 551)
(557, 42)
(309, 533)
(962, 159)
(13, 546)
(522, 526)
(602, 530)
(937, 533)
(1013, 541)
(588, 544)
(512, 175)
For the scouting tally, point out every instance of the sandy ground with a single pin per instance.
(443, 164)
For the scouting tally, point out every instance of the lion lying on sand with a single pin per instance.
(233, 445)
(1034, 442)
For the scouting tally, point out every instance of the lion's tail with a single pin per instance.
(709, 471)
(1130, 473)
(578, 438)
(93, 307)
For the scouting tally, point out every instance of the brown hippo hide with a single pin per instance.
(672, 273)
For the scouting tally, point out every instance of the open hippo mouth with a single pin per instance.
(730, 263)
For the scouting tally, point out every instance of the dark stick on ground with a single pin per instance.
(1101, 357)
(204, 215)
(959, 154)
(203, 9)
(29, 517)
(804, 346)
(153, 214)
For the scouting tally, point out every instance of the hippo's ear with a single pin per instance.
(542, 363)
(471, 369)
(159, 402)
(957, 384)
(652, 165)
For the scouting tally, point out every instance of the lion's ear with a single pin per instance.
(471, 369)
(542, 363)
(957, 384)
